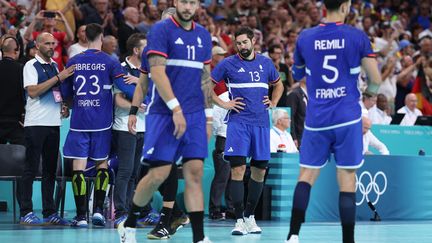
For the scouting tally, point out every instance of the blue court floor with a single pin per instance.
(370, 232)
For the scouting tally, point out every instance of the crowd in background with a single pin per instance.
(400, 31)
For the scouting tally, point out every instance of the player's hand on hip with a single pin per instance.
(179, 123)
(66, 72)
(130, 79)
(142, 108)
(235, 104)
(132, 124)
(267, 102)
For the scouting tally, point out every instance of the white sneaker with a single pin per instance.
(205, 240)
(127, 235)
(293, 239)
(240, 228)
(251, 225)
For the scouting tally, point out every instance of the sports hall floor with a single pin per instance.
(370, 232)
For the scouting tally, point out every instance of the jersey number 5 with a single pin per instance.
(95, 84)
(333, 69)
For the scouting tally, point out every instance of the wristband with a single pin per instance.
(173, 103)
(58, 78)
(133, 110)
(208, 112)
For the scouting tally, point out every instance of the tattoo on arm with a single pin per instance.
(206, 86)
(156, 60)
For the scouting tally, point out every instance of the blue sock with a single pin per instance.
(300, 203)
(347, 212)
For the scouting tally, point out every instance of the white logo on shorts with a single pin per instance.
(150, 151)
(230, 150)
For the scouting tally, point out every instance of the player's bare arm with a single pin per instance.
(277, 93)
(157, 68)
(370, 65)
(234, 104)
(206, 86)
(138, 97)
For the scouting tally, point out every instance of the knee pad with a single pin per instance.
(260, 164)
(236, 161)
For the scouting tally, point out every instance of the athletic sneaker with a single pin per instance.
(293, 239)
(251, 225)
(119, 220)
(80, 222)
(178, 223)
(151, 218)
(240, 228)
(31, 219)
(98, 219)
(55, 219)
(205, 240)
(159, 232)
(127, 235)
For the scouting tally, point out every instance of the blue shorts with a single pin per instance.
(345, 142)
(248, 141)
(88, 145)
(162, 147)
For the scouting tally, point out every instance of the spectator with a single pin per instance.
(379, 113)
(126, 29)
(370, 140)
(109, 46)
(102, 16)
(30, 52)
(388, 86)
(280, 139)
(12, 93)
(297, 101)
(275, 53)
(218, 54)
(42, 130)
(368, 101)
(81, 45)
(410, 110)
(152, 14)
(49, 23)
(405, 79)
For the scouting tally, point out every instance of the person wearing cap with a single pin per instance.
(406, 48)
(29, 53)
(218, 53)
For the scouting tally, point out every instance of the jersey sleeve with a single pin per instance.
(116, 70)
(144, 68)
(365, 46)
(219, 72)
(157, 40)
(273, 72)
(298, 69)
(127, 89)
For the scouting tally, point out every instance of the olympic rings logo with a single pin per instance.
(372, 185)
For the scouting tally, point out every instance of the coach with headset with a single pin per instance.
(11, 93)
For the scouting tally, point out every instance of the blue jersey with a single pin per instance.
(90, 85)
(330, 56)
(250, 80)
(186, 51)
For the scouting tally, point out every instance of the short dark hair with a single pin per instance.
(333, 5)
(92, 31)
(244, 30)
(134, 41)
(273, 47)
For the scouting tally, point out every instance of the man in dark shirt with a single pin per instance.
(275, 53)
(297, 101)
(11, 93)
